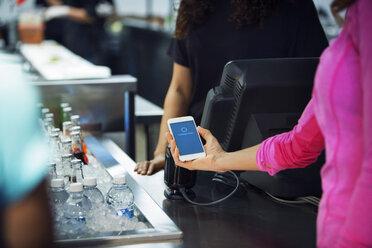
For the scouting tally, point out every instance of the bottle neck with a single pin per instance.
(120, 185)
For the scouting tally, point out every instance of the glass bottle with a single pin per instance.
(62, 106)
(66, 114)
(75, 119)
(48, 125)
(44, 111)
(56, 130)
(55, 147)
(66, 146)
(66, 126)
(49, 115)
(75, 129)
(78, 129)
(78, 176)
(67, 167)
(77, 147)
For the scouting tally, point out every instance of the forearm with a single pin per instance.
(80, 15)
(54, 2)
(175, 105)
(240, 160)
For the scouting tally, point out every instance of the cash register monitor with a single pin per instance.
(257, 99)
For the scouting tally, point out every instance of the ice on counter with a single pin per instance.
(100, 218)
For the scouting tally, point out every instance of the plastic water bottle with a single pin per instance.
(58, 194)
(92, 192)
(76, 209)
(120, 197)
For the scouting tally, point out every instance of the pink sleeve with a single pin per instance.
(297, 148)
(357, 230)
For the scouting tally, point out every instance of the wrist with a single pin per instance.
(159, 153)
(222, 162)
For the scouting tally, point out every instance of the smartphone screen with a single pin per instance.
(186, 137)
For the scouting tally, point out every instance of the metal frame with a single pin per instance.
(90, 87)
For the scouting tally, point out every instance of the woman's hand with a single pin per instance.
(149, 167)
(212, 162)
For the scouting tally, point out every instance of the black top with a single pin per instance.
(293, 30)
(81, 38)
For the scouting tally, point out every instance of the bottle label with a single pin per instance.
(81, 219)
(125, 212)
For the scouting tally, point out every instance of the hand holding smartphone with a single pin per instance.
(183, 130)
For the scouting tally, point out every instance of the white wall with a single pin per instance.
(138, 7)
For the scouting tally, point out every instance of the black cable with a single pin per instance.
(184, 194)
(300, 200)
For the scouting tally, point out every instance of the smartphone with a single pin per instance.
(187, 138)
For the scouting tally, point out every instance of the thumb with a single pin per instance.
(205, 133)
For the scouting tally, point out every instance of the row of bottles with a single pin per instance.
(75, 196)
(77, 204)
(67, 148)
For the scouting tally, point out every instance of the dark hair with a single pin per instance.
(193, 12)
(339, 5)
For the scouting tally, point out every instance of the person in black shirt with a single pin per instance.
(78, 25)
(211, 33)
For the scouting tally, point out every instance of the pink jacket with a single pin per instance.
(339, 119)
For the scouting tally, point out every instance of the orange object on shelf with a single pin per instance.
(31, 34)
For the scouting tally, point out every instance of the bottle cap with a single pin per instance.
(44, 110)
(75, 129)
(54, 134)
(48, 120)
(66, 141)
(67, 123)
(120, 179)
(67, 155)
(56, 130)
(49, 115)
(76, 161)
(57, 183)
(76, 187)
(64, 105)
(75, 117)
(75, 133)
(90, 181)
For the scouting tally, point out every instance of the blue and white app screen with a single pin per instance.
(187, 138)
